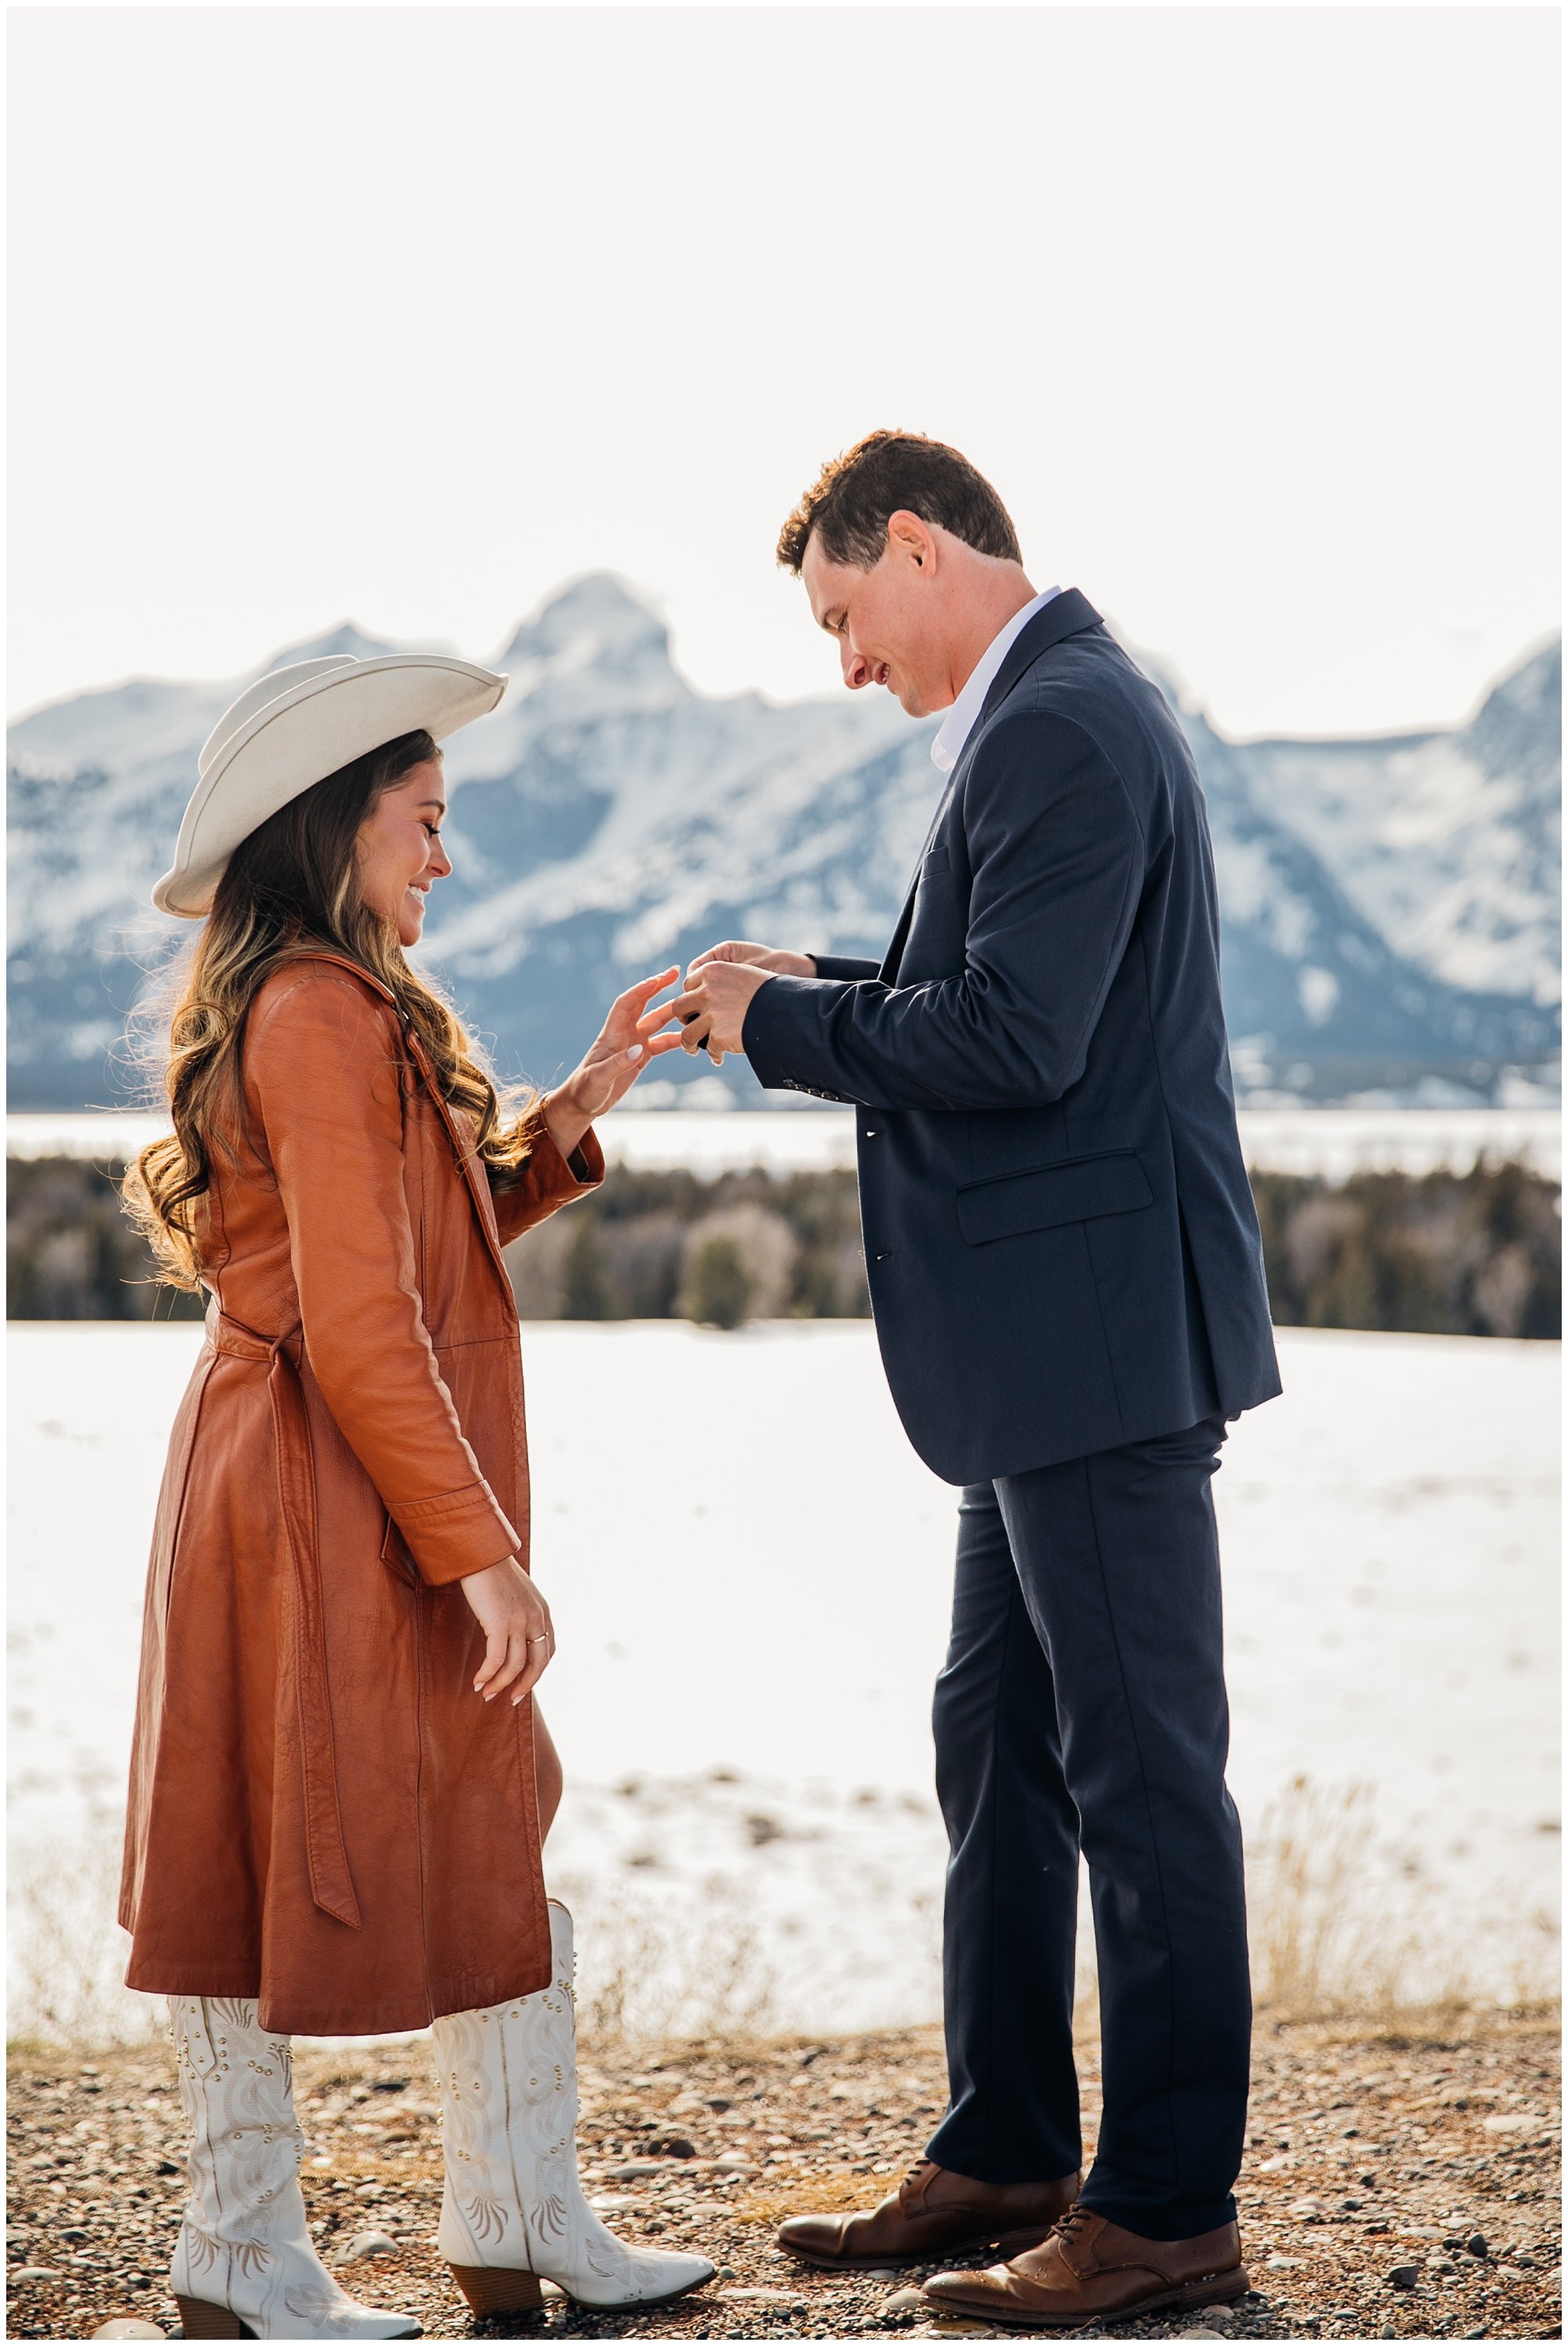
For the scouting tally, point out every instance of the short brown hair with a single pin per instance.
(849, 504)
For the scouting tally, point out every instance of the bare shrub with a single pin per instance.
(1501, 1289)
(764, 1245)
(645, 1256)
(537, 1264)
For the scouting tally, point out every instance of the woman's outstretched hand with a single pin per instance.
(625, 1045)
(519, 1639)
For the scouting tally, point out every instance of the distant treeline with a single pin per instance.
(1472, 1254)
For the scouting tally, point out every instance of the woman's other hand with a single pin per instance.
(519, 1640)
(625, 1045)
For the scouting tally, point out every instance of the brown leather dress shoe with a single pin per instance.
(933, 2213)
(1092, 2271)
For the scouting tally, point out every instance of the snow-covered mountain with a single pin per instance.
(1390, 905)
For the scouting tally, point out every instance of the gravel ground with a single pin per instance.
(1395, 2187)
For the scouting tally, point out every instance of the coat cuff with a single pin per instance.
(773, 1035)
(548, 1181)
(455, 1534)
(565, 1176)
(847, 965)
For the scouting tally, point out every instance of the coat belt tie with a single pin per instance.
(331, 1885)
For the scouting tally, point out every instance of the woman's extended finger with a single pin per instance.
(681, 1006)
(638, 997)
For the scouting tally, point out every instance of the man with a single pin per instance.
(1067, 1279)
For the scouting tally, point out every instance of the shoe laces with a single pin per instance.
(1070, 2225)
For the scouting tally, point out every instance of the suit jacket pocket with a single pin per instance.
(1077, 1190)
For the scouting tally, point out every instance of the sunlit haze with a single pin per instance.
(406, 316)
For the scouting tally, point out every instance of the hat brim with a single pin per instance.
(297, 740)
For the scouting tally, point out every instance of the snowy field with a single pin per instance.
(1328, 1140)
(750, 1623)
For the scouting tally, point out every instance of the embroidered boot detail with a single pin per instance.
(513, 2202)
(245, 2246)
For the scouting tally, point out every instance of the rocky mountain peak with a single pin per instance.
(594, 621)
(336, 641)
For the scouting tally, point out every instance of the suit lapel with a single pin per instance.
(1067, 614)
(890, 958)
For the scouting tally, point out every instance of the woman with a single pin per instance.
(339, 1786)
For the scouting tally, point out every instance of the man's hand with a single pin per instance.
(768, 959)
(712, 1010)
(777, 963)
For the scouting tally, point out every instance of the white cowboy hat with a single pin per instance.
(292, 729)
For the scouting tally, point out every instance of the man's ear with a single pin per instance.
(914, 539)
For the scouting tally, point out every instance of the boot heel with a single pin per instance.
(199, 2318)
(491, 2288)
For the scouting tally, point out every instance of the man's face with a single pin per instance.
(886, 621)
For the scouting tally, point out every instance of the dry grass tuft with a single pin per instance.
(644, 1975)
(795, 2193)
(67, 1952)
(1337, 1933)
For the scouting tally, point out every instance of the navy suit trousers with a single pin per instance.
(1082, 1707)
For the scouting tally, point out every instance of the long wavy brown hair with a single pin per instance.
(291, 888)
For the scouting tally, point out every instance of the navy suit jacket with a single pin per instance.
(1061, 1241)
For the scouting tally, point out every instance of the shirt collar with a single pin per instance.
(960, 721)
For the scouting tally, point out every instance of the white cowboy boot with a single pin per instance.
(512, 2212)
(245, 2265)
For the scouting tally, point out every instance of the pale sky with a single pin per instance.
(406, 315)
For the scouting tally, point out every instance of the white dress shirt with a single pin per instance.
(959, 724)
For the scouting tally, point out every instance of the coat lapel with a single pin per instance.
(1067, 614)
(463, 1147)
(891, 959)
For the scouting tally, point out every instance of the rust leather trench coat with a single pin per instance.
(323, 1813)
